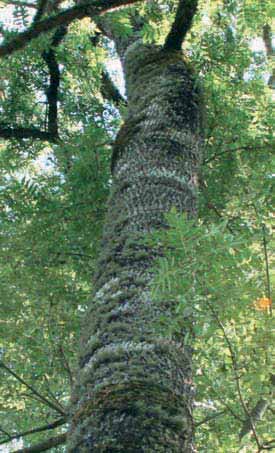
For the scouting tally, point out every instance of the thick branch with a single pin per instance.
(182, 23)
(267, 37)
(89, 8)
(53, 425)
(51, 134)
(18, 132)
(45, 445)
(54, 72)
(42, 5)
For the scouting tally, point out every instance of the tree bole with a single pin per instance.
(135, 392)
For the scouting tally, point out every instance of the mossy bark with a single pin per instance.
(134, 392)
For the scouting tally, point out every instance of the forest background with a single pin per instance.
(55, 181)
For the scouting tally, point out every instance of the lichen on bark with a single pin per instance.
(135, 392)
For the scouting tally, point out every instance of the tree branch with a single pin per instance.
(267, 38)
(256, 414)
(51, 134)
(18, 3)
(224, 404)
(181, 25)
(236, 150)
(235, 372)
(6, 434)
(110, 91)
(54, 72)
(66, 365)
(52, 425)
(270, 52)
(89, 8)
(41, 8)
(45, 445)
(19, 132)
(211, 206)
(269, 445)
(33, 390)
(268, 285)
(209, 418)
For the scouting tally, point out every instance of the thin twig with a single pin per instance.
(32, 389)
(52, 394)
(230, 151)
(235, 371)
(224, 404)
(209, 418)
(211, 206)
(268, 286)
(6, 434)
(66, 365)
(49, 426)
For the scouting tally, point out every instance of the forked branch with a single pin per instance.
(84, 9)
(51, 134)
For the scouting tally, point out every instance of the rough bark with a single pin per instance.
(135, 392)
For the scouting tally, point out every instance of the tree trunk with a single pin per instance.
(135, 386)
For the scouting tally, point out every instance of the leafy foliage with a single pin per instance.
(213, 276)
(53, 199)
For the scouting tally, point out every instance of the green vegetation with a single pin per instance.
(55, 179)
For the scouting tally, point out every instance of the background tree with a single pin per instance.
(55, 195)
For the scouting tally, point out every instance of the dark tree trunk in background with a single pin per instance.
(134, 392)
